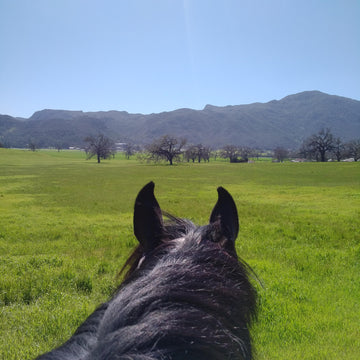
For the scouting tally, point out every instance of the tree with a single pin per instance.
(166, 148)
(216, 153)
(280, 153)
(245, 152)
(318, 145)
(100, 146)
(198, 152)
(352, 149)
(129, 150)
(32, 146)
(59, 146)
(230, 152)
(233, 153)
(338, 150)
(190, 153)
(4, 142)
(206, 153)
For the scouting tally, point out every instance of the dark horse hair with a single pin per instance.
(186, 294)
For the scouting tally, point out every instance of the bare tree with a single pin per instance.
(190, 153)
(206, 153)
(338, 150)
(198, 152)
(318, 145)
(280, 153)
(352, 149)
(256, 153)
(166, 148)
(2, 142)
(203, 152)
(59, 146)
(236, 153)
(306, 151)
(245, 152)
(216, 153)
(32, 146)
(100, 146)
(230, 152)
(129, 150)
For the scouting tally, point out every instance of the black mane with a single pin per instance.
(185, 296)
(174, 228)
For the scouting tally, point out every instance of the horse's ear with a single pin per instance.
(225, 214)
(148, 222)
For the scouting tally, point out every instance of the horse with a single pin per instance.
(186, 294)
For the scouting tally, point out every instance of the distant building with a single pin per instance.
(120, 146)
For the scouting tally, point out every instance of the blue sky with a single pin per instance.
(145, 56)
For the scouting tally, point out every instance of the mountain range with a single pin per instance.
(286, 122)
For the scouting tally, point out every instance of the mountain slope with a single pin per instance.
(286, 122)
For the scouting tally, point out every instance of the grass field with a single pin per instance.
(66, 230)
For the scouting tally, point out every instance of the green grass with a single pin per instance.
(66, 230)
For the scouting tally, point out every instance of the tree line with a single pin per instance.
(324, 146)
(321, 146)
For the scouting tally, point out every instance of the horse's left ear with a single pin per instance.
(226, 214)
(148, 222)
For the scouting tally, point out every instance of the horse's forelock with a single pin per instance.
(174, 228)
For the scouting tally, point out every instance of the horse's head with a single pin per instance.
(151, 232)
(197, 266)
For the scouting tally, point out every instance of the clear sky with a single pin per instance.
(145, 56)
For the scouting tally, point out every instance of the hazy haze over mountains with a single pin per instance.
(286, 122)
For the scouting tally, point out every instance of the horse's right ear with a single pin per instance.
(225, 214)
(148, 222)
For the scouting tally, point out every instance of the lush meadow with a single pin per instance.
(66, 230)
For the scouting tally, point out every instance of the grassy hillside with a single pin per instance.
(66, 230)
